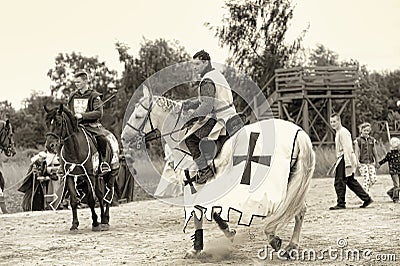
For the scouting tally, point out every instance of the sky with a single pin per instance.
(34, 32)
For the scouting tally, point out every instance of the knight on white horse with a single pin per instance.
(263, 170)
(213, 109)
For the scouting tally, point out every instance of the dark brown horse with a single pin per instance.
(79, 159)
(8, 147)
(6, 138)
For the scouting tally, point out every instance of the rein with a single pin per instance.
(60, 139)
(148, 117)
(140, 130)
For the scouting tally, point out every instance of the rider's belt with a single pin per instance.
(223, 108)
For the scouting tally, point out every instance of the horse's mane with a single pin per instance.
(51, 114)
(165, 103)
(72, 118)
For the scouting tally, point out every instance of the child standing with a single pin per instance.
(393, 157)
(367, 156)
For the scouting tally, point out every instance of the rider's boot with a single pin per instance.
(204, 174)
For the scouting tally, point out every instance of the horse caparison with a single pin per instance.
(148, 116)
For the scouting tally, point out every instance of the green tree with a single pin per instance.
(153, 57)
(28, 123)
(66, 65)
(322, 56)
(254, 31)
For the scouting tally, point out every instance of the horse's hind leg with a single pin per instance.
(92, 205)
(295, 240)
(109, 198)
(74, 201)
(224, 226)
(274, 240)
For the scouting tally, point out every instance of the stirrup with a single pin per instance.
(104, 168)
(203, 175)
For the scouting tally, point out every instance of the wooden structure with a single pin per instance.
(309, 95)
(390, 128)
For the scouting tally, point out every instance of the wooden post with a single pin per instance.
(280, 111)
(306, 125)
(329, 112)
(353, 118)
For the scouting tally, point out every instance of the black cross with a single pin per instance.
(190, 181)
(265, 160)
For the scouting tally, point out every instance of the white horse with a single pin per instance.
(277, 197)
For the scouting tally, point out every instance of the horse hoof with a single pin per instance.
(276, 243)
(74, 227)
(96, 228)
(105, 227)
(288, 250)
(231, 235)
(192, 253)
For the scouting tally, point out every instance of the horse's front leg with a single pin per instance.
(74, 201)
(295, 240)
(224, 226)
(197, 249)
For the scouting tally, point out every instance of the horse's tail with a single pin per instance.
(298, 185)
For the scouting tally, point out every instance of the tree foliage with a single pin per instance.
(255, 31)
(102, 79)
(322, 56)
(153, 57)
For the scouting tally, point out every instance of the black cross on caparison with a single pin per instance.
(265, 160)
(190, 181)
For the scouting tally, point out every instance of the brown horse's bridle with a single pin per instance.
(60, 139)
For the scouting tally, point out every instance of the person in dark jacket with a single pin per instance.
(367, 156)
(87, 106)
(393, 158)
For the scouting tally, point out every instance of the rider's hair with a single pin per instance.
(202, 55)
(83, 74)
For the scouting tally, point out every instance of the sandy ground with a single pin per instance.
(150, 232)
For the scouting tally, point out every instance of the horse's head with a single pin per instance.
(60, 124)
(6, 138)
(139, 123)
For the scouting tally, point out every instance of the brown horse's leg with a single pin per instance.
(99, 191)
(110, 183)
(92, 205)
(74, 201)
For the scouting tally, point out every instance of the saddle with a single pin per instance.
(211, 148)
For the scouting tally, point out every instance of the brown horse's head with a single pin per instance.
(60, 124)
(6, 138)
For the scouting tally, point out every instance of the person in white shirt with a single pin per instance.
(345, 166)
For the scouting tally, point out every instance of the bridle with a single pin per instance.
(60, 139)
(142, 135)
